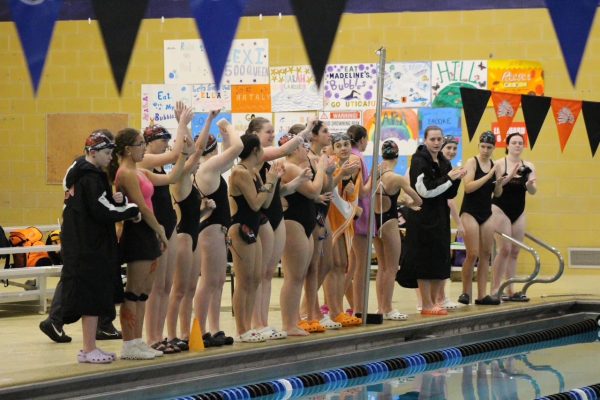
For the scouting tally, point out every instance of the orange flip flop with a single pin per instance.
(436, 310)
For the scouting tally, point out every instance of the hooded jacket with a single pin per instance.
(91, 270)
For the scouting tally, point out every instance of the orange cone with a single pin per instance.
(196, 342)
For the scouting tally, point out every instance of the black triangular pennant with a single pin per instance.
(318, 21)
(119, 23)
(591, 116)
(535, 109)
(474, 103)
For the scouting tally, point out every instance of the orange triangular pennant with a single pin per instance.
(565, 113)
(506, 106)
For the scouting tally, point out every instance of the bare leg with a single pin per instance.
(296, 256)
(132, 312)
(89, 324)
(485, 250)
(362, 265)
(182, 273)
(502, 225)
(185, 308)
(471, 237)
(267, 237)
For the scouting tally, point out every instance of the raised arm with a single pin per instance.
(273, 153)
(232, 147)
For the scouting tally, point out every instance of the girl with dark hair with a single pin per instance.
(248, 194)
(212, 240)
(272, 230)
(387, 240)
(89, 244)
(355, 278)
(158, 155)
(426, 262)
(188, 200)
(475, 214)
(508, 210)
(141, 243)
(300, 223)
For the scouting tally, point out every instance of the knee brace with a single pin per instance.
(134, 297)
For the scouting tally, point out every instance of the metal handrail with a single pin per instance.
(536, 269)
(561, 264)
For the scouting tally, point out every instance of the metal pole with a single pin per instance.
(380, 77)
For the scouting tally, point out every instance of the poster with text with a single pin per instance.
(283, 121)
(206, 97)
(240, 121)
(250, 98)
(293, 88)
(515, 127)
(340, 121)
(199, 120)
(350, 87)
(402, 125)
(185, 61)
(449, 119)
(447, 77)
(407, 84)
(158, 103)
(516, 76)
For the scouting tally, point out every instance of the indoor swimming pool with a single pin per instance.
(526, 366)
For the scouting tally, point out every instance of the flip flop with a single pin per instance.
(95, 356)
(435, 311)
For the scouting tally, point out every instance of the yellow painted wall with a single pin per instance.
(77, 79)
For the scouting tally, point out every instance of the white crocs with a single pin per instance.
(395, 315)
(272, 333)
(449, 304)
(95, 356)
(251, 336)
(328, 323)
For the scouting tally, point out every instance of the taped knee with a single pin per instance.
(143, 297)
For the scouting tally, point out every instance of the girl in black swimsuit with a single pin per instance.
(387, 241)
(248, 194)
(213, 228)
(475, 214)
(272, 230)
(508, 211)
(156, 156)
(299, 223)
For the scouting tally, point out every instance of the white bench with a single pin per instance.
(40, 291)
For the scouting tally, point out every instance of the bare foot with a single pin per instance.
(297, 332)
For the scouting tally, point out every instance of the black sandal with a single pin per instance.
(220, 337)
(488, 301)
(181, 344)
(464, 299)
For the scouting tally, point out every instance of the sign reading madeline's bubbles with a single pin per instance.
(350, 86)
(158, 103)
(185, 61)
(293, 88)
(446, 118)
(199, 120)
(206, 97)
(447, 77)
(407, 84)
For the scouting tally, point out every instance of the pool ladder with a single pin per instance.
(533, 278)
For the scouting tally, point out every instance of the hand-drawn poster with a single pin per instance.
(350, 87)
(293, 88)
(515, 127)
(283, 121)
(447, 77)
(401, 124)
(199, 120)
(158, 103)
(250, 98)
(407, 84)
(206, 97)
(240, 121)
(340, 121)
(449, 119)
(185, 61)
(516, 76)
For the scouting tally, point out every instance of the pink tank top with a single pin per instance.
(146, 187)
